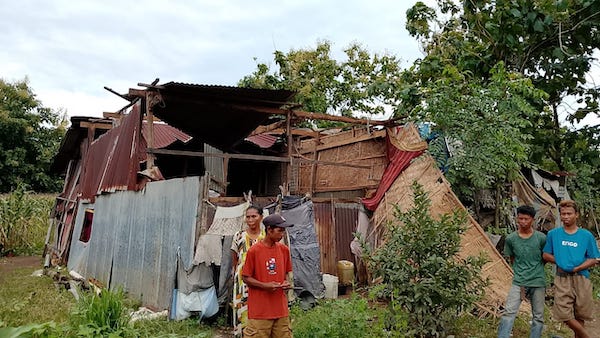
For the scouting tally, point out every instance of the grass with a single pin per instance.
(37, 302)
(26, 299)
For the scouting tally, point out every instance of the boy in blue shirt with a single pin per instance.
(574, 251)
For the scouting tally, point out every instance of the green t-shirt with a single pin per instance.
(528, 265)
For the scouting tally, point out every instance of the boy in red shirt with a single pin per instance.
(265, 272)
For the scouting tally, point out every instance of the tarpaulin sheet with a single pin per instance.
(304, 246)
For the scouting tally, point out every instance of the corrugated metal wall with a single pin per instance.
(335, 224)
(135, 237)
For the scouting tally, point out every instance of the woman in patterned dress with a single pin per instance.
(242, 241)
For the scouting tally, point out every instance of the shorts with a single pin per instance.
(266, 328)
(572, 298)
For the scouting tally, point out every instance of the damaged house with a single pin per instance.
(154, 193)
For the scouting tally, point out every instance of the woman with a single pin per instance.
(242, 241)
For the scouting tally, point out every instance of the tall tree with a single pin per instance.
(549, 42)
(29, 137)
(362, 83)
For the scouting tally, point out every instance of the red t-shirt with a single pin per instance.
(267, 264)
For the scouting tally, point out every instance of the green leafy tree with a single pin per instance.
(422, 274)
(362, 83)
(549, 42)
(30, 135)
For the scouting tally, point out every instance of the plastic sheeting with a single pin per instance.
(304, 246)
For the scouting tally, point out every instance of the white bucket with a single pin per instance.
(331, 286)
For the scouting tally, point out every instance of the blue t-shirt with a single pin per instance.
(570, 250)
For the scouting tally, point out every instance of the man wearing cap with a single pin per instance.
(524, 251)
(265, 272)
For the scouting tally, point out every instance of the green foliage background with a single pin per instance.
(30, 135)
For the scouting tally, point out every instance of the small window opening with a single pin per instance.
(86, 230)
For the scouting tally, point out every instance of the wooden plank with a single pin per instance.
(96, 125)
(223, 155)
(340, 164)
(137, 92)
(150, 97)
(344, 142)
(267, 128)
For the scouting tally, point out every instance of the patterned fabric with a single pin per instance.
(227, 220)
(240, 245)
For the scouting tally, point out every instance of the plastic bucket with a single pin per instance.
(331, 286)
(345, 272)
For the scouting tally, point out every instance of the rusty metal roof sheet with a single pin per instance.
(113, 160)
(165, 135)
(218, 115)
(264, 141)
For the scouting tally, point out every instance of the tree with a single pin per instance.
(421, 271)
(363, 83)
(30, 135)
(551, 43)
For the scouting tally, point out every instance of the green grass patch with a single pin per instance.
(26, 299)
(350, 317)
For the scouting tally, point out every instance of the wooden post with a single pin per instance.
(150, 117)
(288, 130)
(313, 168)
(225, 174)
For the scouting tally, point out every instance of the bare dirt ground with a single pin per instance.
(8, 264)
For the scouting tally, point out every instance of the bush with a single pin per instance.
(23, 222)
(101, 315)
(423, 277)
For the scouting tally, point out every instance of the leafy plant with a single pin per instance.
(101, 314)
(422, 275)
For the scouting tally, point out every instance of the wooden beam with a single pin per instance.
(107, 115)
(267, 128)
(297, 132)
(314, 116)
(374, 135)
(96, 125)
(327, 117)
(339, 164)
(150, 97)
(137, 92)
(223, 155)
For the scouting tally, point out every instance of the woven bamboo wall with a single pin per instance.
(364, 155)
(443, 201)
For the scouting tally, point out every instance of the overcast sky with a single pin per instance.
(70, 50)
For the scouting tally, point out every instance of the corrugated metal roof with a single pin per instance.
(218, 115)
(264, 141)
(272, 97)
(165, 135)
(113, 160)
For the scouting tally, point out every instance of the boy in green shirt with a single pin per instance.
(524, 250)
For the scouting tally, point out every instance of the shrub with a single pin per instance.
(422, 274)
(101, 315)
